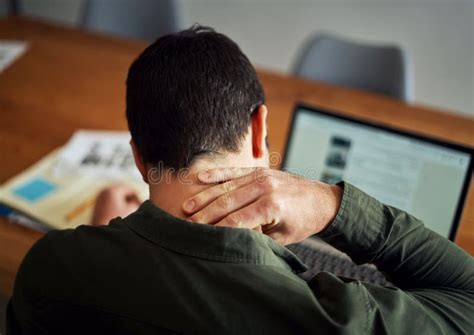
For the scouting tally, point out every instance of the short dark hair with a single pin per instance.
(189, 94)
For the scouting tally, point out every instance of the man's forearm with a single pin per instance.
(397, 243)
(433, 271)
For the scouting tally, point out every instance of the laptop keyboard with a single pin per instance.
(320, 257)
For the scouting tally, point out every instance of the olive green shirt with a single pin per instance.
(151, 273)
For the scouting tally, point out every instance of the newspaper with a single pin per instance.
(60, 190)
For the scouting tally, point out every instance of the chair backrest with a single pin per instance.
(381, 69)
(142, 19)
(8, 7)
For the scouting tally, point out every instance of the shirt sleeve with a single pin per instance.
(434, 277)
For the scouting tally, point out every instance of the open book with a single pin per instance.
(57, 193)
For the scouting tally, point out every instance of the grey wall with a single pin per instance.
(439, 34)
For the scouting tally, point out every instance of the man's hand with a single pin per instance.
(113, 201)
(287, 207)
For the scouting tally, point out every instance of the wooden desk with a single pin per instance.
(70, 79)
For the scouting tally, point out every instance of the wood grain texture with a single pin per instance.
(70, 79)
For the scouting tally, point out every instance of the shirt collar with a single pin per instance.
(231, 245)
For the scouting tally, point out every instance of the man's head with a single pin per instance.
(194, 95)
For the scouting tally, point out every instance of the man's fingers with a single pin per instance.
(224, 174)
(122, 192)
(254, 215)
(227, 202)
(201, 200)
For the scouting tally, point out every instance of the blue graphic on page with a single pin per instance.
(34, 189)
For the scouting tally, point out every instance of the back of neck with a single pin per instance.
(169, 195)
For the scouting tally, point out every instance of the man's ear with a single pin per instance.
(259, 131)
(139, 161)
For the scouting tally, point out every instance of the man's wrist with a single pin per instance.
(359, 225)
(336, 198)
(330, 197)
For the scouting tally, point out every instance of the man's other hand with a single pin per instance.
(287, 207)
(113, 201)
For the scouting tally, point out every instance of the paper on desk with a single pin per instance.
(100, 154)
(58, 202)
(10, 51)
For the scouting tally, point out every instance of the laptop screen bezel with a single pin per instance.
(412, 135)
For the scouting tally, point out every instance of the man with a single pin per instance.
(201, 257)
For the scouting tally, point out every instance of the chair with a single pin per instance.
(8, 7)
(141, 19)
(381, 69)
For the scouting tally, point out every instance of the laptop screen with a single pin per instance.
(424, 177)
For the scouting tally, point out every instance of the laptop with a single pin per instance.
(426, 177)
